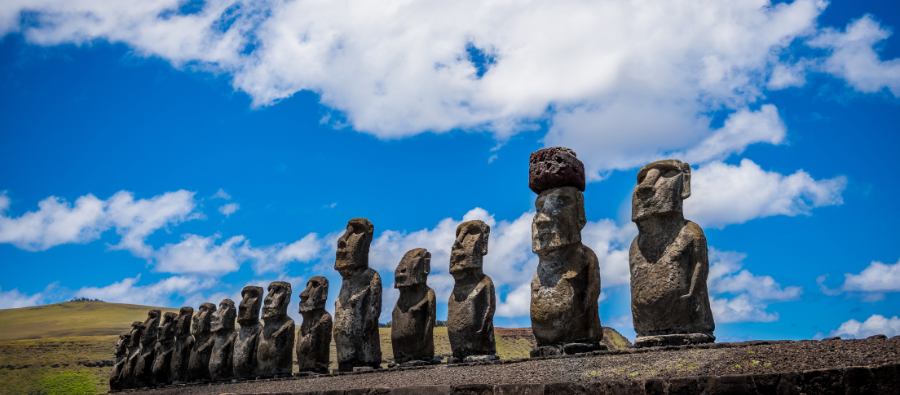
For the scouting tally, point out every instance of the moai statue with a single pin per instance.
(565, 289)
(143, 369)
(248, 336)
(126, 380)
(412, 324)
(115, 378)
(198, 365)
(470, 313)
(184, 343)
(165, 346)
(668, 261)
(274, 354)
(314, 342)
(222, 325)
(358, 305)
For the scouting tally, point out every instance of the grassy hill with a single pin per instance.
(61, 345)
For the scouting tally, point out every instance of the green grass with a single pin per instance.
(40, 365)
(70, 319)
(67, 383)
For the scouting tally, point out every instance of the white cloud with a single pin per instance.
(872, 282)
(229, 209)
(854, 59)
(274, 258)
(199, 255)
(875, 325)
(59, 222)
(156, 294)
(13, 299)
(752, 293)
(740, 130)
(221, 194)
(723, 194)
(626, 81)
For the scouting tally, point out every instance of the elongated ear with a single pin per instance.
(427, 262)
(685, 181)
(485, 234)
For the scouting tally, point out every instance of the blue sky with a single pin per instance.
(170, 153)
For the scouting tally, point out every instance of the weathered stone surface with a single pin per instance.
(165, 346)
(358, 306)
(126, 380)
(115, 378)
(248, 337)
(184, 343)
(859, 380)
(471, 389)
(423, 390)
(555, 167)
(221, 361)
(519, 389)
(314, 341)
(823, 381)
(568, 388)
(566, 285)
(668, 258)
(470, 315)
(731, 384)
(412, 325)
(198, 366)
(143, 369)
(274, 354)
(673, 340)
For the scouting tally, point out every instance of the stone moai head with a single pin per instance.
(662, 187)
(353, 246)
(203, 319)
(315, 294)
(137, 328)
(151, 326)
(167, 327)
(558, 219)
(277, 300)
(223, 318)
(248, 312)
(470, 247)
(413, 268)
(183, 322)
(122, 344)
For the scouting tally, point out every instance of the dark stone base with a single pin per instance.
(473, 358)
(552, 350)
(349, 366)
(673, 340)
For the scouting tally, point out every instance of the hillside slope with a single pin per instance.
(71, 319)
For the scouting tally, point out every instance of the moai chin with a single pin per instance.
(314, 342)
(565, 289)
(165, 347)
(143, 369)
(470, 313)
(198, 365)
(274, 353)
(248, 337)
(184, 343)
(412, 325)
(668, 261)
(358, 305)
(222, 326)
(126, 380)
(115, 378)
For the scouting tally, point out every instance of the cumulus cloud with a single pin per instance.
(221, 194)
(751, 293)
(14, 299)
(854, 59)
(871, 283)
(875, 325)
(156, 294)
(229, 209)
(724, 194)
(59, 222)
(624, 81)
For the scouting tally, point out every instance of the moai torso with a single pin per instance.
(274, 352)
(314, 341)
(165, 345)
(144, 367)
(222, 325)
(115, 378)
(668, 259)
(412, 321)
(470, 312)
(248, 337)
(126, 380)
(566, 285)
(198, 365)
(358, 306)
(184, 343)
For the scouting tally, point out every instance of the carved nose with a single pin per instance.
(342, 243)
(542, 221)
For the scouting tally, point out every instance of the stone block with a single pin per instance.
(519, 389)
(731, 385)
(473, 389)
(767, 384)
(567, 388)
(369, 391)
(423, 390)
(859, 380)
(685, 386)
(823, 382)
(655, 387)
(887, 379)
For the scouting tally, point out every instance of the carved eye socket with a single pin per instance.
(315, 284)
(670, 174)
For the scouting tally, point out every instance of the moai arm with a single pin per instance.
(428, 302)
(374, 308)
(486, 294)
(699, 256)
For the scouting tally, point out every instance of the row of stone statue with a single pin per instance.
(668, 263)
